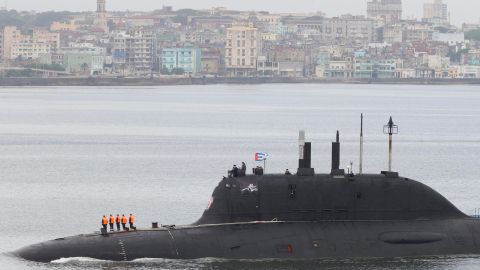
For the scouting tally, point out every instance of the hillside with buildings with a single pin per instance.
(226, 43)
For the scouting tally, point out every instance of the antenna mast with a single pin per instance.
(390, 128)
(360, 167)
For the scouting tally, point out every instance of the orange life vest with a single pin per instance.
(124, 220)
(118, 219)
(132, 219)
(104, 221)
(112, 219)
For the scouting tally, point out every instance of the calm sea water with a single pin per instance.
(70, 155)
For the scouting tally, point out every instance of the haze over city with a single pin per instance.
(461, 10)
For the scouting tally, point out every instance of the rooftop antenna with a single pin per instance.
(360, 165)
(390, 128)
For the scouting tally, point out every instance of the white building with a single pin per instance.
(436, 12)
(449, 38)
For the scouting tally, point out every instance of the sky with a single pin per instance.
(460, 10)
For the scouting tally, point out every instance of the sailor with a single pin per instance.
(131, 220)
(244, 167)
(235, 171)
(124, 221)
(118, 221)
(104, 222)
(111, 221)
(287, 172)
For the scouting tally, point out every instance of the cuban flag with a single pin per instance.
(261, 156)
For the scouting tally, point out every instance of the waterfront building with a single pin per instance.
(30, 45)
(101, 16)
(85, 64)
(186, 59)
(243, 44)
(436, 12)
(374, 69)
(212, 61)
(390, 11)
(134, 52)
(10, 35)
(267, 68)
(469, 72)
(339, 69)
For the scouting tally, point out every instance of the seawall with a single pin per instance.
(105, 81)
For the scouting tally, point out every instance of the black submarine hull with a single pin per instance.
(282, 240)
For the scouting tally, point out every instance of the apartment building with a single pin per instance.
(29, 45)
(390, 11)
(436, 12)
(134, 53)
(186, 59)
(243, 44)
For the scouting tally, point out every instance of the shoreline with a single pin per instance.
(96, 81)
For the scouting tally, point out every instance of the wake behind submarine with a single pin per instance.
(301, 216)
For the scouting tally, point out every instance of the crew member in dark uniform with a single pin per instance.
(287, 172)
(244, 169)
(235, 171)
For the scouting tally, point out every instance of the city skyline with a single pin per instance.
(462, 11)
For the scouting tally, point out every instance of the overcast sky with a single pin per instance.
(460, 10)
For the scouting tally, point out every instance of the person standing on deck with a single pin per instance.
(118, 220)
(124, 221)
(111, 221)
(104, 222)
(131, 220)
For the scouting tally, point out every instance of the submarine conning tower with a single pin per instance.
(307, 196)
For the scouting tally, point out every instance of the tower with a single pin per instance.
(101, 16)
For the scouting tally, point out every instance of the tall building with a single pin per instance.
(30, 45)
(243, 44)
(388, 10)
(436, 12)
(101, 16)
(134, 53)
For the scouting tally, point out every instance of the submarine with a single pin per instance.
(304, 215)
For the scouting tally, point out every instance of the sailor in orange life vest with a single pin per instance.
(104, 222)
(118, 220)
(124, 221)
(131, 220)
(111, 221)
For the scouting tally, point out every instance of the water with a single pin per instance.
(70, 155)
